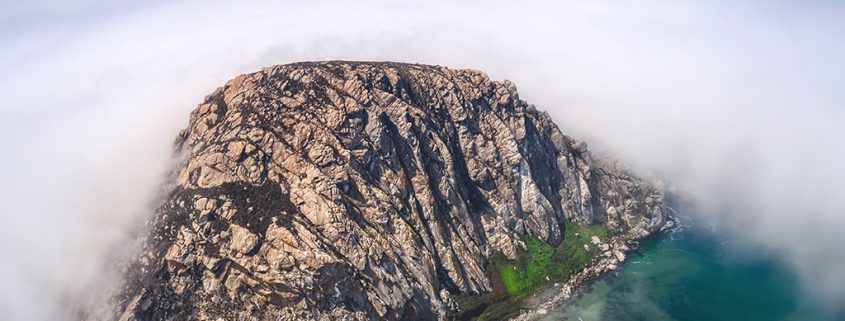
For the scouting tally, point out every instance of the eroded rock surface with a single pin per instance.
(358, 191)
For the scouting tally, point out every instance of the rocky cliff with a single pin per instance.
(358, 191)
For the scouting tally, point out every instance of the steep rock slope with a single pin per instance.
(353, 191)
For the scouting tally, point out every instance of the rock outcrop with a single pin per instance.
(358, 191)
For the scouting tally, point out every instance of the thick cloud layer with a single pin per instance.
(737, 104)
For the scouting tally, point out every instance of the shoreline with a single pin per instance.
(609, 260)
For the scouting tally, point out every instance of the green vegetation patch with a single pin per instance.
(543, 263)
(538, 266)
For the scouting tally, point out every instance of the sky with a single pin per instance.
(737, 103)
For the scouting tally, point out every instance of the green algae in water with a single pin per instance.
(695, 275)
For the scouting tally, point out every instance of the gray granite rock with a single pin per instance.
(359, 191)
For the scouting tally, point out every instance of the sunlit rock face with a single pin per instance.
(358, 191)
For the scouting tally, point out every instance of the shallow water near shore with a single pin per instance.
(695, 275)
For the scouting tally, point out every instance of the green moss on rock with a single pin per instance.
(542, 263)
(539, 265)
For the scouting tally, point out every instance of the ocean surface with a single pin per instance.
(695, 274)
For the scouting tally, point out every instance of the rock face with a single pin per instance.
(358, 191)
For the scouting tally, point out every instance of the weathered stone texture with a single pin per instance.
(353, 191)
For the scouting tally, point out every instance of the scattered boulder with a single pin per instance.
(242, 239)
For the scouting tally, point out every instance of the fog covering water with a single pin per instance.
(738, 104)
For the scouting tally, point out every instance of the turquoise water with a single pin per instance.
(695, 275)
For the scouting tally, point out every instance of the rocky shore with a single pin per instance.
(610, 258)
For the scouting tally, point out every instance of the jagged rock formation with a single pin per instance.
(356, 191)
